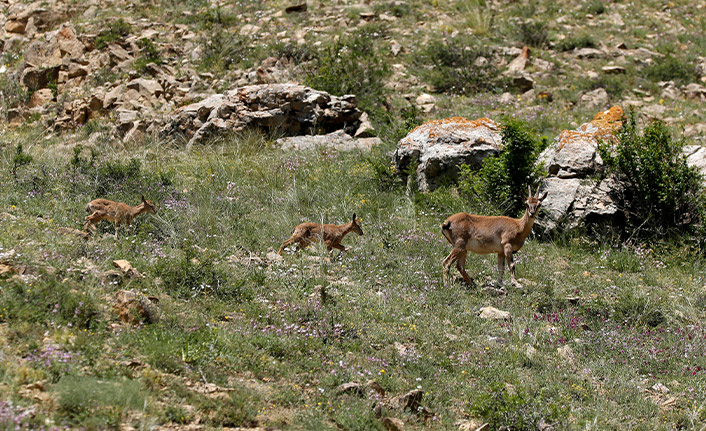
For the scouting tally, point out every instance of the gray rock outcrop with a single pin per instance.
(290, 109)
(575, 195)
(440, 147)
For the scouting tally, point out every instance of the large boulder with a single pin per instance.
(575, 195)
(289, 109)
(440, 147)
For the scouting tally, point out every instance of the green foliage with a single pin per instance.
(115, 32)
(511, 409)
(149, 54)
(193, 273)
(48, 302)
(224, 51)
(97, 404)
(20, 159)
(501, 182)
(662, 193)
(595, 7)
(581, 40)
(533, 33)
(352, 65)
(457, 67)
(670, 68)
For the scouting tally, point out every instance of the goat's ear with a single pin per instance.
(142, 198)
(544, 195)
(353, 216)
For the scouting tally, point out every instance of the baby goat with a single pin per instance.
(306, 233)
(484, 235)
(116, 212)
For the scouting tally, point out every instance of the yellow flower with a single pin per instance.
(382, 371)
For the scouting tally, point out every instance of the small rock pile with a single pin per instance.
(290, 109)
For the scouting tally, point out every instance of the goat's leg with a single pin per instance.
(286, 243)
(501, 268)
(92, 219)
(117, 225)
(511, 265)
(461, 266)
(339, 246)
(456, 252)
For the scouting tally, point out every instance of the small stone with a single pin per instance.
(613, 70)
(494, 314)
(393, 424)
(566, 353)
(41, 97)
(350, 388)
(126, 268)
(301, 7)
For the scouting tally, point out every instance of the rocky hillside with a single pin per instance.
(132, 64)
(242, 119)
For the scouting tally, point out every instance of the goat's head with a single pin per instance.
(149, 206)
(355, 225)
(534, 202)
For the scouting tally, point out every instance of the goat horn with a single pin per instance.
(537, 194)
(529, 192)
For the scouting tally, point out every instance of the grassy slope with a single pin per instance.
(630, 315)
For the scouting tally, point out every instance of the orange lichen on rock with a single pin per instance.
(603, 126)
(459, 122)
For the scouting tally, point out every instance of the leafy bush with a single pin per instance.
(662, 192)
(533, 33)
(511, 409)
(582, 40)
(351, 65)
(149, 54)
(116, 31)
(20, 159)
(192, 274)
(97, 404)
(501, 183)
(670, 68)
(457, 67)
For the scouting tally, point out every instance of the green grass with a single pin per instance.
(630, 315)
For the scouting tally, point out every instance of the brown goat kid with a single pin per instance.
(306, 233)
(484, 235)
(116, 212)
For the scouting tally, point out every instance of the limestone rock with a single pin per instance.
(338, 140)
(41, 97)
(126, 268)
(494, 314)
(393, 424)
(134, 307)
(597, 98)
(440, 147)
(574, 197)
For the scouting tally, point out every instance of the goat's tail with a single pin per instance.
(446, 231)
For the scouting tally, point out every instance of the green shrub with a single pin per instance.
(501, 182)
(662, 192)
(149, 54)
(457, 67)
(581, 40)
(97, 404)
(352, 65)
(116, 31)
(669, 68)
(509, 408)
(194, 273)
(20, 159)
(533, 33)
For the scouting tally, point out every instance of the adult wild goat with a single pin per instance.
(484, 235)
